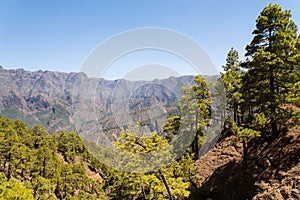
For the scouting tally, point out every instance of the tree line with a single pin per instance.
(262, 93)
(258, 97)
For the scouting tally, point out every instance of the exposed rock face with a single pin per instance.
(37, 97)
(68, 101)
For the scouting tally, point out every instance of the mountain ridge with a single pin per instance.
(53, 98)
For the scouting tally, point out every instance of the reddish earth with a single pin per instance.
(273, 170)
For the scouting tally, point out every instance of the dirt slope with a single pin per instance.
(273, 170)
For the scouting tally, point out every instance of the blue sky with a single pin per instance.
(58, 35)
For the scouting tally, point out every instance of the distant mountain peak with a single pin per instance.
(52, 99)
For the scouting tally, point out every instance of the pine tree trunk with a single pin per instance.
(274, 127)
(143, 190)
(4, 165)
(234, 114)
(238, 120)
(22, 170)
(9, 171)
(44, 167)
(245, 153)
(9, 167)
(242, 117)
(272, 91)
(196, 138)
(272, 106)
(166, 184)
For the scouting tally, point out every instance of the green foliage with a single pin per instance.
(232, 80)
(32, 156)
(70, 145)
(264, 98)
(195, 115)
(271, 79)
(14, 189)
(177, 174)
(43, 188)
(37, 165)
(194, 102)
(219, 97)
(57, 114)
(142, 153)
(171, 127)
(244, 133)
(14, 113)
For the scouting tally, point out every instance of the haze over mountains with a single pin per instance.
(72, 101)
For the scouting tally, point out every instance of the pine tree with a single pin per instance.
(219, 99)
(233, 83)
(29, 160)
(14, 189)
(195, 111)
(152, 153)
(43, 188)
(232, 80)
(273, 56)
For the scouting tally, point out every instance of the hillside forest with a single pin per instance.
(260, 103)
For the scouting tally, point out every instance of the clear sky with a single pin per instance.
(58, 35)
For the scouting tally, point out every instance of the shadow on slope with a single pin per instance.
(273, 171)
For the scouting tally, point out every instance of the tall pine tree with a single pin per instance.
(273, 56)
(232, 80)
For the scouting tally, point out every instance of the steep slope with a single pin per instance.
(45, 166)
(273, 170)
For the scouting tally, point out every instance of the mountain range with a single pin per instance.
(75, 102)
